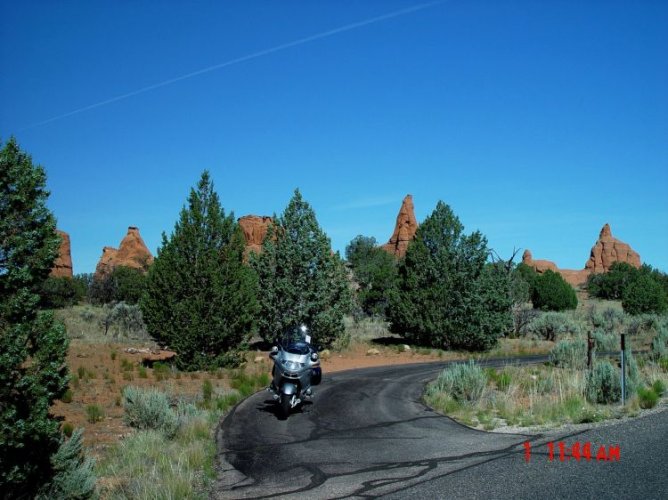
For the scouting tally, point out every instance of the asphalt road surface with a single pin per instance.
(368, 434)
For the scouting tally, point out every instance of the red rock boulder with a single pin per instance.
(404, 229)
(62, 266)
(540, 266)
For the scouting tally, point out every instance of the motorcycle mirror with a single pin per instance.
(274, 351)
(314, 356)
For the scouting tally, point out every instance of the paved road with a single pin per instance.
(368, 434)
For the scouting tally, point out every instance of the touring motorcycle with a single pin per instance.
(296, 369)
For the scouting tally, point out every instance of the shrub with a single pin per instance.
(569, 354)
(142, 372)
(605, 341)
(610, 285)
(644, 295)
(660, 343)
(550, 325)
(161, 371)
(122, 284)
(647, 397)
(73, 472)
(68, 428)
(603, 384)
(552, 293)
(502, 380)
(149, 409)
(663, 363)
(67, 397)
(60, 292)
(207, 391)
(659, 387)
(94, 413)
(123, 319)
(462, 382)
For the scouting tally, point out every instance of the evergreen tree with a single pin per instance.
(446, 297)
(32, 346)
(375, 271)
(300, 279)
(644, 294)
(200, 298)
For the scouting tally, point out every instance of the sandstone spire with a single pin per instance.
(62, 266)
(404, 229)
(132, 252)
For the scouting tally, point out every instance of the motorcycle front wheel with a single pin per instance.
(285, 405)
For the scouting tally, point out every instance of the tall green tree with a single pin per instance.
(446, 297)
(200, 298)
(375, 272)
(300, 279)
(32, 345)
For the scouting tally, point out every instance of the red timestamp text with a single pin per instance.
(584, 452)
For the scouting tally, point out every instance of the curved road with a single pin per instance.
(368, 434)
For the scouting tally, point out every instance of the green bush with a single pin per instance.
(462, 382)
(94, 413)
(569, 354)
(551, 325)
(647, 397)
(502, 380)
(660, 343)
(605, 341)
(603, 385)
(149, 409)
(123, 319)
(644, 295)
(161, 371)
(659, 387)
(60, 292)
(552, 293)
(610, 285)
(67, 397)
(68, 428)
(122, 284)
(375, 272)
(207, 391)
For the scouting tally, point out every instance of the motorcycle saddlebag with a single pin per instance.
(316, 375)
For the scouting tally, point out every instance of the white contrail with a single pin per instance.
(254, 55)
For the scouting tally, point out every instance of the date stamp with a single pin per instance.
(585, 452)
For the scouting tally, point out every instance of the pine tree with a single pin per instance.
(300, 279)
(200, 297)
(445, 297)
(32, 346)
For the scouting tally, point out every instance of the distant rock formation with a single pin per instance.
(62, 266)
(255, 229)
(404, 229)
(132, 252)
(540, 266)
(606, 251)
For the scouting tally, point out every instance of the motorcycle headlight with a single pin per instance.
(292, 365)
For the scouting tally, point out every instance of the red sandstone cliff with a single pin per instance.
(255, 229)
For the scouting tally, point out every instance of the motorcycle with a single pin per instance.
(296, 369)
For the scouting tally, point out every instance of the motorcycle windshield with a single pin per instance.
(294, 341)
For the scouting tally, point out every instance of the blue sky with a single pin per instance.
(537, 122)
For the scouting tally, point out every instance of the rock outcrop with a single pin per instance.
(132, 252)
(404, 229)
(607, 250)
(540, 266)
(62, 266)
(255, 229)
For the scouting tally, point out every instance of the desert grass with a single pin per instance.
(542, 396)
(149, 464)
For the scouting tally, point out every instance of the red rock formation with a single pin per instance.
(131, 253)
(404, 229)
(62, 266)
(255, 229)
(540, 266)
(607, 250)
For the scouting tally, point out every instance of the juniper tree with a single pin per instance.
(446, 297)
(200, 298)
(32, 346)
(300, 279)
